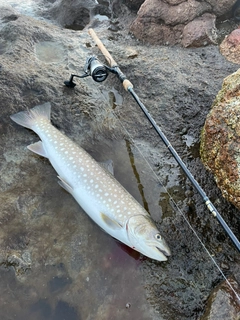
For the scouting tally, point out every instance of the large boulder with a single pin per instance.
(230, 47)
(222, 302)
(77, 13)
(220, 7)
(161, 22)
(220, 139)
(200, 31)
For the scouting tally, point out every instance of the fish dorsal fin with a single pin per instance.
(38, 148)
(108, 165)
(65, 185)
(111, 223)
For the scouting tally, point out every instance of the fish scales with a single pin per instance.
(101, 196)
(79, 169)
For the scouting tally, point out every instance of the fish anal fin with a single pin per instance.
(111, 223)
(65, 185)
(108, 165)
(38, 148)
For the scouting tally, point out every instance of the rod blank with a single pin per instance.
(129, 87)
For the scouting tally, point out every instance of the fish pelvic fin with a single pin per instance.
(111, 223)
(38, 148)
(30, 117)
(65, 185)
(108, 165)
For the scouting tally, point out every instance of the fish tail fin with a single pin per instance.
(30, 117)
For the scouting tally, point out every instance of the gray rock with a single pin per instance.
(134, 4)
(75, 15)
(222, 303)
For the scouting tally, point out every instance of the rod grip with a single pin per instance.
(126, 83)
(101, 46)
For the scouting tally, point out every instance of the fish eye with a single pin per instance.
(158, 237)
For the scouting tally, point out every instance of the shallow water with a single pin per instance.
(77, 271)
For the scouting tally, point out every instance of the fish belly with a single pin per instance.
(95, 189)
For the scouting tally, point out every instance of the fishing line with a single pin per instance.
(99, 73)
(128, 86)
(175, 204)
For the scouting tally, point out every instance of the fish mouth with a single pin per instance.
(165, 253)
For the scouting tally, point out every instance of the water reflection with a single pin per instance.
(77, 271)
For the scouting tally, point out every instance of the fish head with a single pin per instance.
(145, 238)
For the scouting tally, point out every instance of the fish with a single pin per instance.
(94, 187)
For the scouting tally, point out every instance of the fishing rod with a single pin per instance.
(99, 73)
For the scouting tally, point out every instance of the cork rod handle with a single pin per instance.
(126, 83)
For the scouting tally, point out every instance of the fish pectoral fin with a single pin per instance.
(65, 185)
(38, 148)
(108, 165)
(113, 224)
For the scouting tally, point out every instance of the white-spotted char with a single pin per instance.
(96, 190)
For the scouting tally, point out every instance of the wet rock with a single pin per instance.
(220, 139)
(200, 32)
(75, 15)
(230, 47)
(134, 4)
(20, 261)
(8, 13)
(223, 302)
